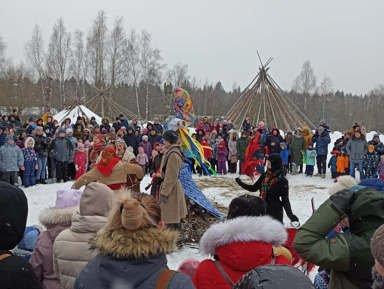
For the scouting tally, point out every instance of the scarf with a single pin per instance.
(269, 179)
(108, 161)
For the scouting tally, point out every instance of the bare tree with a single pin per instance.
(78, 66)
(305, 82)
(151, 66)
(178, 74)
(132, 64)
(325, 89)
(117, 40)
(59, 52)
(3, 48)
(35, 56)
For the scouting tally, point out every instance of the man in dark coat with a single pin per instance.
(123, 121)
(132, 141)
(273, 188)
(322, 139)
(273, 141)
(157, 126)
(153, 137)
(15, 271)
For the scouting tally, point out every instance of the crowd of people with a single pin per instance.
(112, 235)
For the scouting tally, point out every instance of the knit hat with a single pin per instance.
(343, 182)
(28, 242)
(377, 245)
(376, 184)
(93, 118)
(376, 136)
(8, 137)
(155, 144)
(310, 144)
(171, 136)
(67, 198)
(39, 128)
(289, 133)
(188, 267)
(298, 130)
(61, 131)
(80, 147)
(320, 128)
(371, 147)
(356, 125)
(145, 137)
(276, 162)
(96, 200)
(13, 215)
(30, 118)
(246, 205)
(69, 130)
(141, 149)
(161, 142)
(335, 152)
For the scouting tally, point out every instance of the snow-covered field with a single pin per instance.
(218, 191)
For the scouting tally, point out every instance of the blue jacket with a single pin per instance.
(284, 156)
(322, 142)
(332, 164)
(62, 149)
(11, 158)
(2, 139)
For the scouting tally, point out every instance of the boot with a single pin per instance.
(37, 181)
(43, 182)
(318, 175)
(323, 176)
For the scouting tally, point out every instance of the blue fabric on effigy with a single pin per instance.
(192, 191)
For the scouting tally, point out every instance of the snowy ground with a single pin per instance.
(219, 190)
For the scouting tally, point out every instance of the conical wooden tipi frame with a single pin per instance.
(264, 99)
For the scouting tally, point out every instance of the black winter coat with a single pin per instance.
(277, 196)
(41, 146)
(17, 273)
(132, 141)
(153, 139)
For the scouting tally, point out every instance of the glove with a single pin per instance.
(238, 181)
(342, 199)
(163, 198)
(294, 218)
(77, 167)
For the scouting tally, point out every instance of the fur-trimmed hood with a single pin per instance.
(53, 216)
(243, 229)
(27, 140)
(122, 243)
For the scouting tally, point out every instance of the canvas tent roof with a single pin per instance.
(74, 111)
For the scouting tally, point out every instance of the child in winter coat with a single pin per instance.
(80, 160)
(207, 155)
(332, 163)
(370, 163)
(342, 163)
(30, 162)
(284, 156)
(380, 168)
(146, 145)
(222, 153)
(11, 160)
(142, 159)
(310, 156)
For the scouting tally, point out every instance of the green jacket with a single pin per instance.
(296, 147)
(347, 255)
(241, 146)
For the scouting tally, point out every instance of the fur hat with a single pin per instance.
(377, 245)
(246, 205)
(171, 136)
(276, 162)
(96, 200)
(67, 198)
(188, 267)
(343, 182)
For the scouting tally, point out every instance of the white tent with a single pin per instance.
(74, 111)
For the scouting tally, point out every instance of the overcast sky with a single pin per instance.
(218, 39)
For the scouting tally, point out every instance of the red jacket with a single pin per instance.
(241, 244)
(207, 151)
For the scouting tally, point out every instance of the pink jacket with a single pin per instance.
(55, 220)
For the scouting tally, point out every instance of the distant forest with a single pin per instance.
(123, 66)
